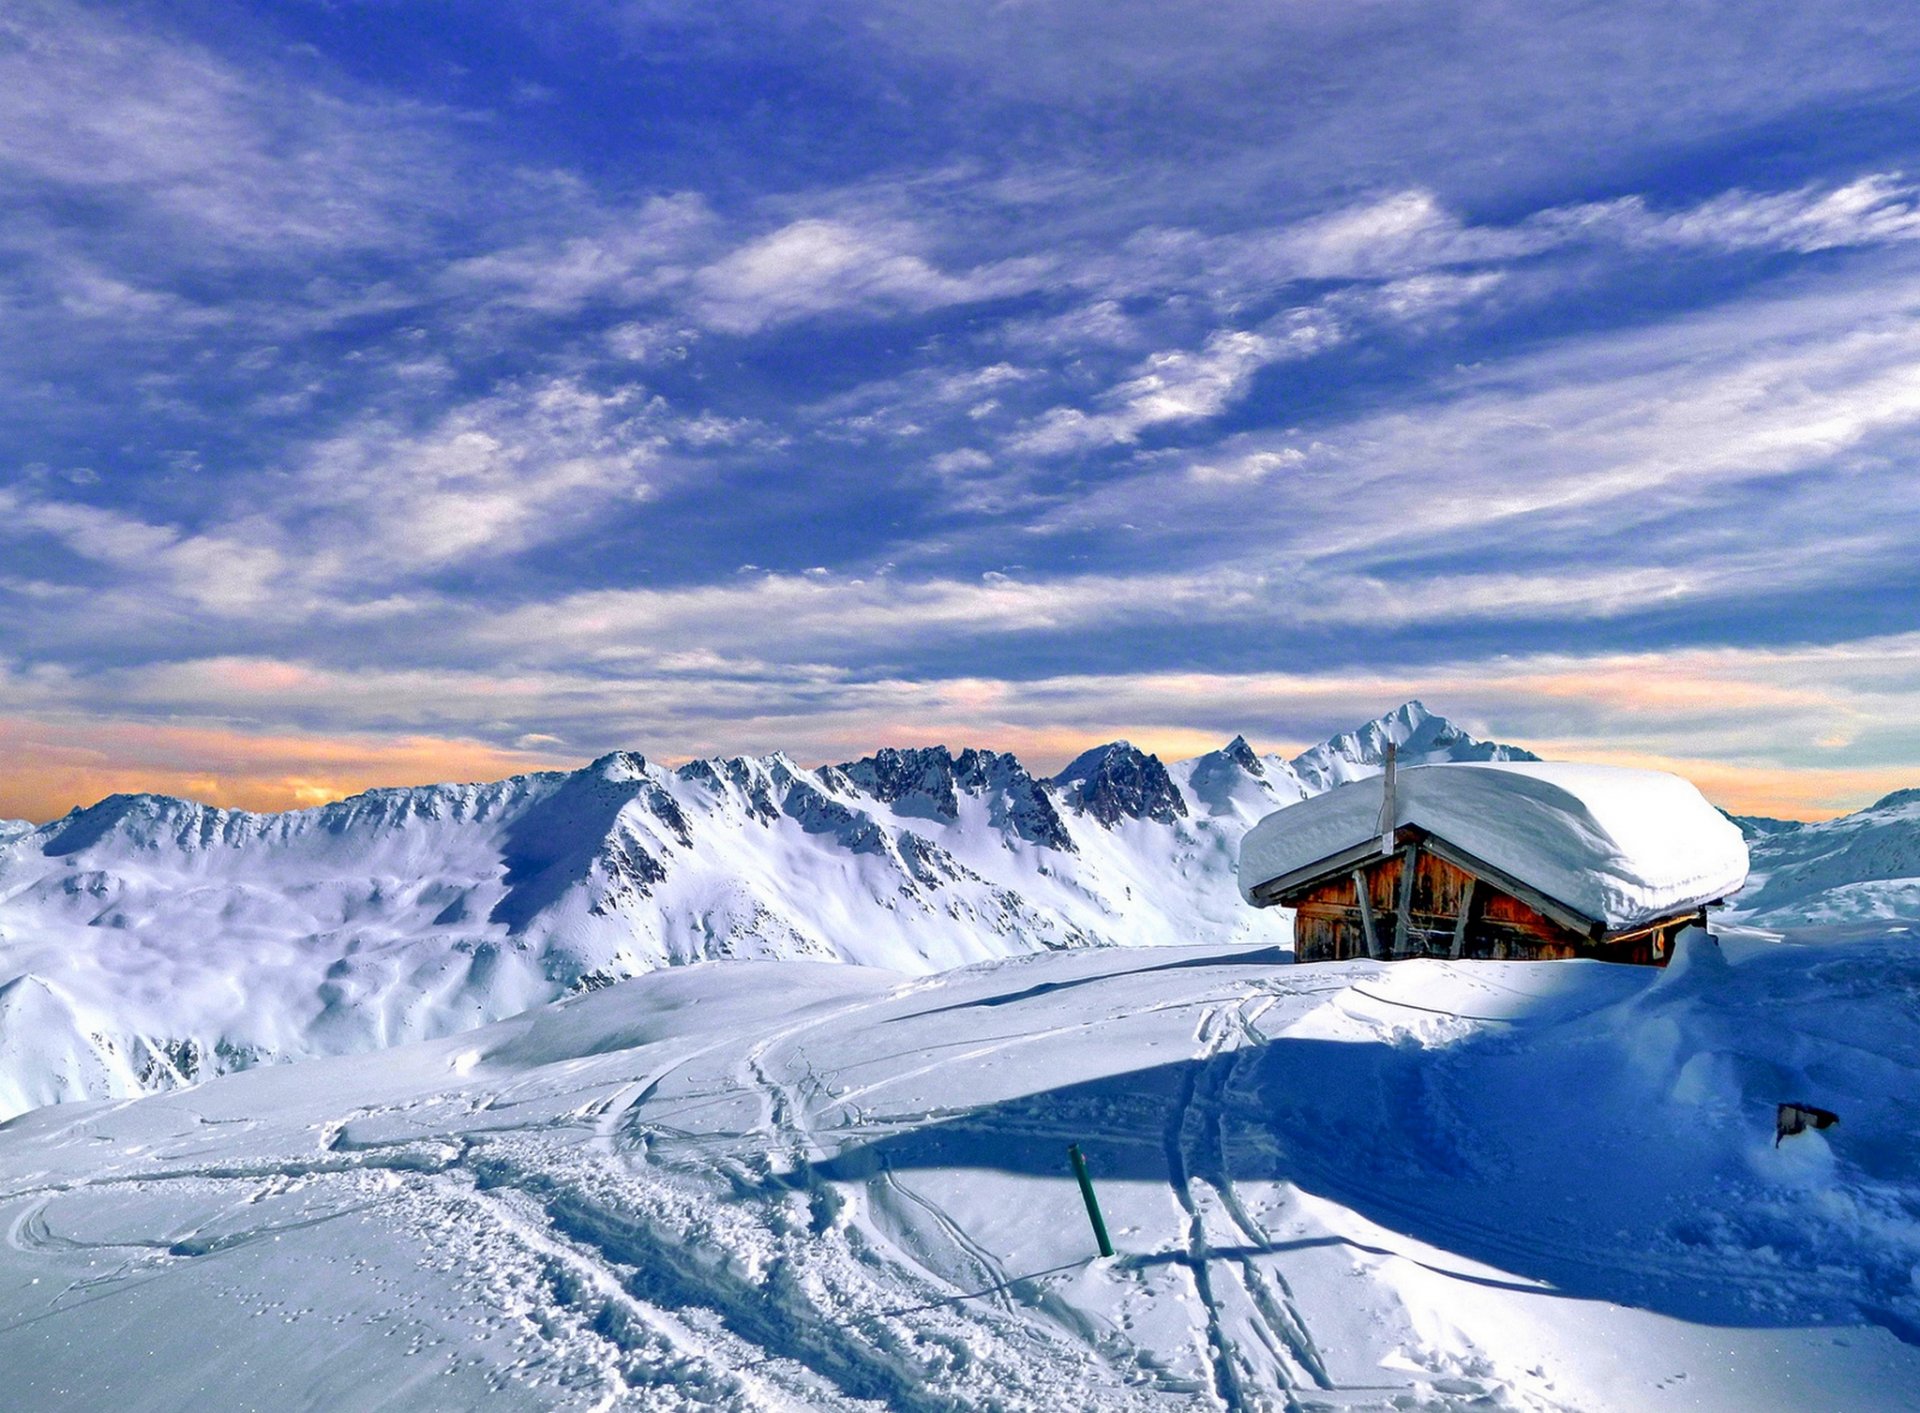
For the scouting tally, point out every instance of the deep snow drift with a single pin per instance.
(146, 942)
(753, 1185)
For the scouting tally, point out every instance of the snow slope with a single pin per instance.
(1423, 1185)
(1860, 871)
(146, 941)
(1617, 845)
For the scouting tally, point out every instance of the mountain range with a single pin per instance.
(147, 941)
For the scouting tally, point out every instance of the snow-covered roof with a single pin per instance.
(1616, 845)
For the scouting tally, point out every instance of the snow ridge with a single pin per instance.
(1862, 869)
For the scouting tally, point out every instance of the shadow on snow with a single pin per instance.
(1553, 1151)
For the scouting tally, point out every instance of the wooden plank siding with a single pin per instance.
(1447, 911)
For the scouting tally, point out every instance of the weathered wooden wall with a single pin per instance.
(1329, 924)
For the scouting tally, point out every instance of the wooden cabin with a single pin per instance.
(1512, 862)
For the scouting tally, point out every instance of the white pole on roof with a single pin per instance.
(1389, 809)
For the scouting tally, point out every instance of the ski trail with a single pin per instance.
(1273, 1302)
(1233, 1294)
(993, 1045)
(631, 1326)
(988, 1274)
(785, 1117)
(1216, 1344)
(966, 1269)
(613, 1113)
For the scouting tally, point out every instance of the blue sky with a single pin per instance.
(402, 391)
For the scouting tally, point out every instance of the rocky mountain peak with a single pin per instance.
(1120, 781)
(914, 780)
(1421, 736)
(1241, 754)
(620, 766)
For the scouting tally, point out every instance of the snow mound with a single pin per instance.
(1617, 845)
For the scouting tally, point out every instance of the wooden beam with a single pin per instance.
(1695, 917)
(1559, 912)
(1274, 890)
(1466, 913)
(1366, 913)
(1403, 915)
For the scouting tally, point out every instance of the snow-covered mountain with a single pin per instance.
(1421, 737)
(789, 1184)
(1862, 869)
(146, 941)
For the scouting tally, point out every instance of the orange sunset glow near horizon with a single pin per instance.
(50, 771)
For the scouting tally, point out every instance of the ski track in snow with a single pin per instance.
(789, 1186)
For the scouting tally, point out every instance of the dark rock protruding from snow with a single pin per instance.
(1121, 781)
(1235, 782)
(913, 781)
(1759, 826)
(927, 783)
(1241, 754)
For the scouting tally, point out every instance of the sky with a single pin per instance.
(402, 392)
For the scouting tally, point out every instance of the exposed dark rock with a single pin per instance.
(1121, 781)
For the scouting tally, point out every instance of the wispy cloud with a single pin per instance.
(1592, 442)
(815, 266)
(518, 467)
(632, 257)
(397, 379)
(98, 103)
(1180, 385)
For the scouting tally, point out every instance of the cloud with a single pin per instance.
(1177, 386)
(1881, 208)
(221, 571)
(64, 763)
(1180, 385)
(815, 266)
(1693, 460)
(492, 476)
(632, 258)
(1398, 247)
(95, 103)
(378, 503)
(657, 342)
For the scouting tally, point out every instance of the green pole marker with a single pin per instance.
(1093, 1203)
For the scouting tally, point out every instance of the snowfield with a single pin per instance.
(791, 1185)
(1857, 873)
